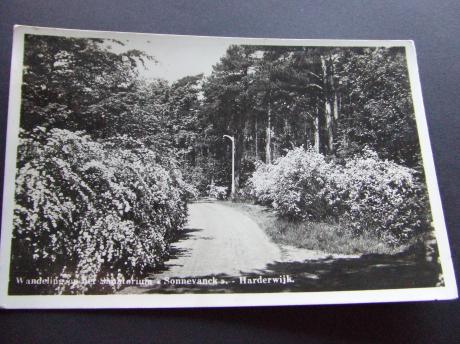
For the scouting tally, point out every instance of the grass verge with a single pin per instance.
(330, 238)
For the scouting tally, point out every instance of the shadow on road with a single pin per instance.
(367, 272)
(371, 272)
(176, 251)
(186, 234)
(410, 269)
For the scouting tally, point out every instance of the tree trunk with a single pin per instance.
(316, 142)
(268, 140)
(239, 151)
(256, 140)
(329, 126)
(328, 107)
(336, 106)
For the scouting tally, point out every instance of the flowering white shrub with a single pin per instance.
(87, 211)
(217, 192)
(296, 185)
(383, 196)
(367, 194)
(262, 184)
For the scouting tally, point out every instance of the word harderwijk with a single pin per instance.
(282, 279)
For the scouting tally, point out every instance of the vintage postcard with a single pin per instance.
(148, 170)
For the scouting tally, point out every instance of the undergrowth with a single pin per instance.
(328, 237)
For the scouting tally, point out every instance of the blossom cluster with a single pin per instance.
(365, 194)
(217, 192)
(89, 210)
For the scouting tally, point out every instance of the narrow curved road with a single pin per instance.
(223, 241)
(222, 245)
(220, 240)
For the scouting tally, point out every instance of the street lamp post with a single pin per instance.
(231, 138)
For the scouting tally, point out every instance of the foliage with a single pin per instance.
(217, 192)
(317, 236)
(383, 196)
(296, 185)
(66, 80)
(366, 194)
(376, 108)
(337, 100)
(87, 211)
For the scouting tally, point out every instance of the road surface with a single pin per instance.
(221, 240)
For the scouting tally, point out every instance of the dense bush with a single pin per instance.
(217, 192)
(366, 194)
(383, 196)
(87, 210)
(295, 185)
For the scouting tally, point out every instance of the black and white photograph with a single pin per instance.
(185, 171)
